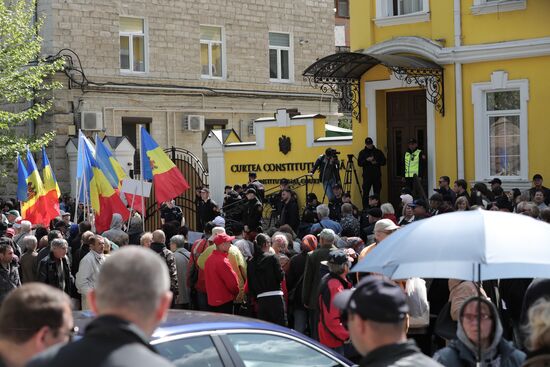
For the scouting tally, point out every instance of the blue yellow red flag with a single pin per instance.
(168, 180)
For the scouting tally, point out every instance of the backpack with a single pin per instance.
(194, 268)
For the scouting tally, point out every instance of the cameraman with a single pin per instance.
(329, 170)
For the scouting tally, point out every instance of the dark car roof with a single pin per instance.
(183, 321)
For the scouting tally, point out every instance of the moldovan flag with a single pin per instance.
(167, 178)
(50, 183)
(30, 191)
(104, 199)
(113, 171)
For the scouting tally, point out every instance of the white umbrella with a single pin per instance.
(471, 245)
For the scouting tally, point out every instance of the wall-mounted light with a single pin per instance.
(302, 41)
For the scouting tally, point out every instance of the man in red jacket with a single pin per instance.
(331, 331)
(222, 283)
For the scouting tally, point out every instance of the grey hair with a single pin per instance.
(29, 243)
(133, 278)
(387, 208)
(337, 269)
(347, 208)
(58, 243)
(178, 240)
(26, 226)
(327, 235)
(322, 210)
(159, 236)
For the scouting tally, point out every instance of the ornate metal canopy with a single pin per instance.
(341, 72)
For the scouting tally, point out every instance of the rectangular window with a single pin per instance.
(132, 44)
(503, 117)
(212, 53)
(280, 57)
(342, 8)
(402, 7)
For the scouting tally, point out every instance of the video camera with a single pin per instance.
(331, 153)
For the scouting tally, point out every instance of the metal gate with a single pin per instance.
(195, 174)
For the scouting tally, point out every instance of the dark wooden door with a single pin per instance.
(130, 127)
(406, 115)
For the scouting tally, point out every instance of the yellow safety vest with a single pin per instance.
(412, 163)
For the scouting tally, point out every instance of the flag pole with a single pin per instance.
(144, 210)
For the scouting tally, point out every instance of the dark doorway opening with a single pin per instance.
(406, 118)
(130, 129)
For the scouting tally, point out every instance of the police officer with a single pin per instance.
(415, 160)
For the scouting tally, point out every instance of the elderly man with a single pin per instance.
(54, 269)
(9, 274)
(323, 213)
(376, 319)
(222, 284)
(312, 276)
(115, 233)
(181, 255)
(158, 245)
(22, 229)
(89, 269)
(28, 263)
(32, 319)
(131, 298)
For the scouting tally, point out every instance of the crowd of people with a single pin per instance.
(292, 269)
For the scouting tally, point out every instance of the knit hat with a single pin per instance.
(310, 242)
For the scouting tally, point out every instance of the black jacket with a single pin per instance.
(108, 342)
(264, 274)
(168, 257)
(371, 169)
(403, 355)
(206, 211)
(252, 214)
(290, 214)
(47, 273)
(329, 168)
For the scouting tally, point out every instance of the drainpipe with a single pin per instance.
(458, 93)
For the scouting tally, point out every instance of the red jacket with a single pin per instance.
(331, 331)
(222, 284)
(197, 249)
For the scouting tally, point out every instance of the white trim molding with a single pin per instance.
(370, 101)
(499, 82)
(431, 50)
(403, 19)
(481, 7)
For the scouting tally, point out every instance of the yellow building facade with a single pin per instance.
(468, 79)
(488, 63)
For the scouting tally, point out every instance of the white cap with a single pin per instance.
(385, 225)
(216, 231)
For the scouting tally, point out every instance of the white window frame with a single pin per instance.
(499, 83)
(131, 49)
(290, 50)
(481, 7)
(385, 17)
(210, 43)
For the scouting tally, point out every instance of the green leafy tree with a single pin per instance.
(26, 82)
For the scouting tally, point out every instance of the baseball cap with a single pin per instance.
(205, 189)
(13, 212)
(336, 186)
(284, 181)
(406, 198)
(419, 202)
(251, 191)
(216, 231)
(375, 212)
(10, 232)
(252, 174)
(375, 298)
(412, 141)
(537, 176)
(368, 141)
(223, 238)
(385, 225)
(63, 214)
(496, 180)
(338, 257)
(17, 223)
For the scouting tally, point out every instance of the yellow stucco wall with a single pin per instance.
(267, 159)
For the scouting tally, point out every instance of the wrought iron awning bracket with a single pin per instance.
(347, 90)
(430, 79)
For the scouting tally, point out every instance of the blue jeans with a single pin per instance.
(300, 320)
(327, 185)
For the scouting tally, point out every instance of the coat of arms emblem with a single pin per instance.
(284, 144)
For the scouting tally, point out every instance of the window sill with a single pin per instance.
(403, 19)
(498, 7)
(132, 73)
(284, 81)
(207, 77)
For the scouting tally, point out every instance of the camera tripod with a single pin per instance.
(351, 173)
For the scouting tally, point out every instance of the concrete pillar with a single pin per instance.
(214, 150)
